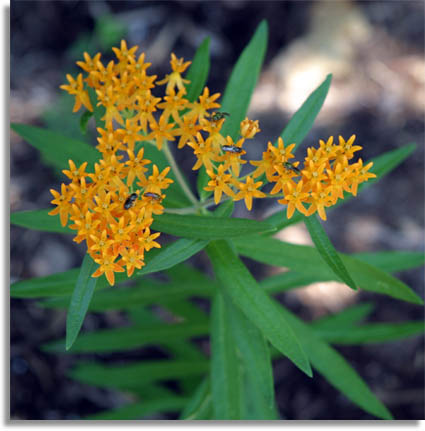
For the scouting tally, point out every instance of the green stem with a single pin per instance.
(179, 176)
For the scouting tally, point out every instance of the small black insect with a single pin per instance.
(291, 167)
(216, 116)
(152, 195)
(129, 202)
(231, 149)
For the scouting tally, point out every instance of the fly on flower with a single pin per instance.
(152, 195)
(292, 167)
(231, 149)
(218, 115)
(129, 202)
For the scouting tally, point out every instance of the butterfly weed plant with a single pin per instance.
(119, 197)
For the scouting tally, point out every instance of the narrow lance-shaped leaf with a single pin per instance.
(306, 260)
(80, 300)
(174, 253)
(393, 261)
(344, 319)
(371, 333)
(387, 162)
(200, 405)
(98, 111)
(61, 284)
(198, 71)
(84, 119)
(327, 250)
(140, 410)
(336, 369)
(244, 291)
(225, 209)
(255, 356)
(110, 340)
(131, 376)
(243, 80)
(56, 148)
(146, 293)
(207, 227)
(302, 121)
(226, 383)
(39, 220)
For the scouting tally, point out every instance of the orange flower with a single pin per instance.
(219, 184)
(294, 198)
(76, 87)
(175, 79)
(205, 153)
(161, 130)
(248, 190)
(107, 267)
(63, 202)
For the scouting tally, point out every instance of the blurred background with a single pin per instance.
(375, 51)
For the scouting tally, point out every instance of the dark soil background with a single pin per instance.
(375, 51)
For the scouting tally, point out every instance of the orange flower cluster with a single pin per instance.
(112, 207)
(124, 89)
(322, 181)
(114, 221)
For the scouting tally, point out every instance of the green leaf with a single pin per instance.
(226, 381)
(371, 333)
(109, 30)
(336, 369)
(302, 121)
(393, 261)
(146, 292)
(225, 209)
(172, 254)
(185, 310)
(109, 340)
(243, 80)
(306, 260)
(134, 375)
(207, 227)
(255, 356)
(80, 300)
(60, 284)
(84, 119)
(344, 319)
(286, 281)
(39, 220)
(98, 111)
(387, 162)
(56, 148)
(141, 409)
(178, 349)
(58, 117)
(198, 71)
(244, 291)
(201, 182)
(200, 405)
(327, 250)
(279, 220)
